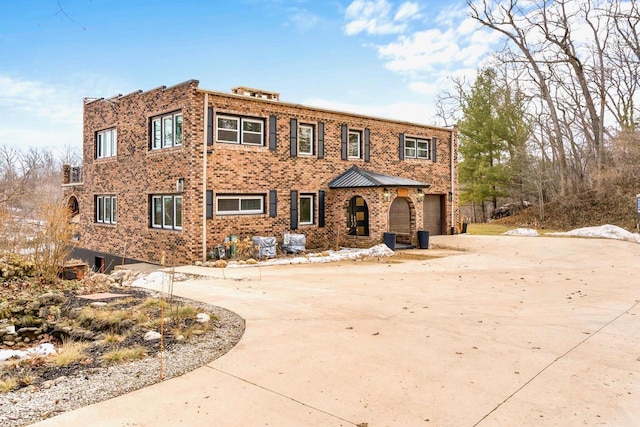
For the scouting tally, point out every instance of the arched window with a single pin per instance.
(358, 217)
(73, 206)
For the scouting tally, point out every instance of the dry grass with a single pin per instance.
(7, 384)
(113, 338)
(70, 352)
(488, 229)
(122, 355)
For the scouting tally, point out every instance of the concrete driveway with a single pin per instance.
(513, 331)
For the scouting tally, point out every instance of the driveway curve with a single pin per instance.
(500, 331)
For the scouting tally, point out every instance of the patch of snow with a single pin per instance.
(381, 250)
(158, 277)
(529, 232)
(44, 349)
(606, 231)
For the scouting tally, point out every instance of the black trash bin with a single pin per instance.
(390, 240)
(423, 239)
(464, 228)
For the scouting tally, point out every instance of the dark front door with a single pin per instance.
(400, 216)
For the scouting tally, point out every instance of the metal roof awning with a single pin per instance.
(355, 177)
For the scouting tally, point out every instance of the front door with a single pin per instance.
(400, 216)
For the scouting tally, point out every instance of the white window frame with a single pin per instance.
(237, 129)
(418, 146)
(106, 143)
(161, 223)
(311, 198)
(261, 133)
(105, 207)
(312, 139)
(359, 135)
(410, 147)
(159, 128)
(240, 210)
(240, 131)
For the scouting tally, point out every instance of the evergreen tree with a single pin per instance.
(493, 133)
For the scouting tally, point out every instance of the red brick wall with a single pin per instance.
(138, 172)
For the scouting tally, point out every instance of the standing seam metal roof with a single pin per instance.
(355, 177)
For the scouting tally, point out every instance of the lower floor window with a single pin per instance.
(105, 209)
(166, 212)
(306, 209)
(235, 204)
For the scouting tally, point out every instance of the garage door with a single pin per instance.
(400, 216)
(433, 213)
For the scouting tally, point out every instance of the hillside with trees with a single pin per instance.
(553, 118)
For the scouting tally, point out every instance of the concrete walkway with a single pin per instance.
(514, 331)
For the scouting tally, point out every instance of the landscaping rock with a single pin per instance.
(51, 298)
(152, 336)
(203, 318)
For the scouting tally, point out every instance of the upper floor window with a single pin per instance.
(416, 148)
(355, 144)
(106, 144)
(240, 204)
(105, 209)
(305, 139)
(240, 130)
(166, 212)
(166, 131)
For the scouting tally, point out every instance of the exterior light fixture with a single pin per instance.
(420, 195)
(386, 194)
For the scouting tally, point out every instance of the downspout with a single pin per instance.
(204, 178)
(453, 218)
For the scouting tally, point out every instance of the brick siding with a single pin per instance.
(137, 172)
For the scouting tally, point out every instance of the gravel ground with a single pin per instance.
(30, 405)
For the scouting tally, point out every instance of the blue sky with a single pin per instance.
(380, 57)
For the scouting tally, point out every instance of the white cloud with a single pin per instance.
(38, 99)
(376, 17)
(303, 20)
(449, 43)
(423, 88)
(36, 113)
(408, 10)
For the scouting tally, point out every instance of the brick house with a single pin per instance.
(175, 170)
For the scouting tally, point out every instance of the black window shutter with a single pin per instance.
(210, 126)
(209, 204)
(401, 146)
(321, 140)
(294, 138)
(344, 137)
(273, 203)
(294, 210)
(434, 143)
(367, 145)
(273, 132)
(321, 208)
